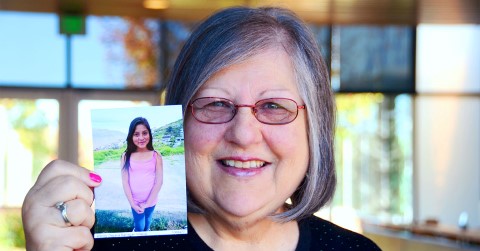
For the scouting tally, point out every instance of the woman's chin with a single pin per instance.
(241, 211)
(245, 211)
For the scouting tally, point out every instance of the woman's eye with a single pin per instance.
(271, 106)
(218, 104)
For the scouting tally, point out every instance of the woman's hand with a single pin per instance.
(45, 228)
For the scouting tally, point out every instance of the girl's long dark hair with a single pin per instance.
(131, 147)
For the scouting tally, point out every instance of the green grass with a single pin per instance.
(114, 221)
(102, 156)
(169, 151)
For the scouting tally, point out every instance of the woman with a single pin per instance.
(142, 173)
(259, 123)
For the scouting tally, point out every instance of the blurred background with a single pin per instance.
(406, 74)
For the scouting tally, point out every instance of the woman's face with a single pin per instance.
(141, 137)
(213, 150)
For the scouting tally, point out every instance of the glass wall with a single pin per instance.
(126, 60)
(372, 71)
(447, 124)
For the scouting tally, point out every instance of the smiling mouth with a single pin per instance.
(243, 164)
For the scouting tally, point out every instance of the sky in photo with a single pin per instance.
(119, 119)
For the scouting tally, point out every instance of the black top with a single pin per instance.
(315, 234)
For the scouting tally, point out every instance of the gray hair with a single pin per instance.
(235, 34)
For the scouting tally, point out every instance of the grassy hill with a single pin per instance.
(174, 130)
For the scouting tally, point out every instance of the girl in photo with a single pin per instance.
(142, 173)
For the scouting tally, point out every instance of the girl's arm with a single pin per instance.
(158, 180)
(126, 186)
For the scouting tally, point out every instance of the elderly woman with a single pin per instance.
(259, 124)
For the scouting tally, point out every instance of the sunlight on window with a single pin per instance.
(118, 53)
(374, 140)
(455, 69)
(32, 51)
(29, 142)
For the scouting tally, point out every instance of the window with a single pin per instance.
(447, 122)
(448, 147)
(374, 156)
(117, 53)
(176, 33)
(323, 36)
(448, 59)
(29, 133)
(373, 59)
(32, 52)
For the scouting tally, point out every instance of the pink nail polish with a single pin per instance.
(95, 177)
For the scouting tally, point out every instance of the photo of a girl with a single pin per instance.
(142, 173)
(140, 154)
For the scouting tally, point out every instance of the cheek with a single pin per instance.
(200, 142)
(290, 142)
(291, 148)
(200, 138)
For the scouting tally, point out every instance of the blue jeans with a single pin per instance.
(143, 221)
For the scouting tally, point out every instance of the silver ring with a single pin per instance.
(63, 209)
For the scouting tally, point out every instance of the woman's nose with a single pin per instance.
(244, 129)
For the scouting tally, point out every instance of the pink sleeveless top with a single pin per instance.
(142, 178)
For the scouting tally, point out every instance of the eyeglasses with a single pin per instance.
(272, 111)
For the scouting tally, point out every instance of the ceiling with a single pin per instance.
(316, 11)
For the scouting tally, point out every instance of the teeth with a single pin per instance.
(243, 164)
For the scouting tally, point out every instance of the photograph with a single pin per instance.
(140, 154)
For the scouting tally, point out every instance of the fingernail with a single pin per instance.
(95, 177)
